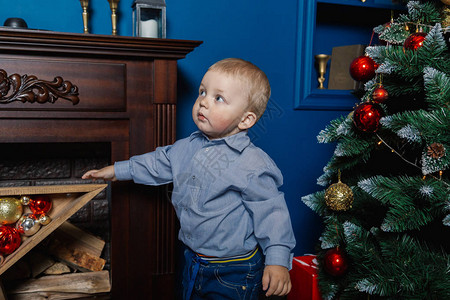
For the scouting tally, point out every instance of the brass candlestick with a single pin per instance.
(321, 60)
(113, 5)
(84, 6)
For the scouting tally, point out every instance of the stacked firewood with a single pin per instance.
(66, 265)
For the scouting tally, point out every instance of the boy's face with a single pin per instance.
(221, 106)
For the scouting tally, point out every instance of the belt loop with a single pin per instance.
(193, 276)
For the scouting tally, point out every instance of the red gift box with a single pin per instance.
(304, 279)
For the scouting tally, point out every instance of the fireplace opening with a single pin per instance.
(37, 164)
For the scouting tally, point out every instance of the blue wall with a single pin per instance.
(261, 31)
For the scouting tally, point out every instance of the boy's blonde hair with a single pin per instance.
(254, 79)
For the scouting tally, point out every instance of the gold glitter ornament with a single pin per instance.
(10, 210)
(445, 14)
(339, 196)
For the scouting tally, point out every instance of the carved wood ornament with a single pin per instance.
(31, 89)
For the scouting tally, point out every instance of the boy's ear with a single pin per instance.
(248, 120)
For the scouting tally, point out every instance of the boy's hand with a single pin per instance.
(106, 173)
(276, 281)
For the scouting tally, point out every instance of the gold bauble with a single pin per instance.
(44, 219)
(25, 200)
(446, 2)
(10, 210)
(446, 15)
(339, 196)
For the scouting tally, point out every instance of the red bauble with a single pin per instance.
(363, 68)
(40, 204)
(415, 41)
(9, 239)
(366, 116)
(379, 94)
(335, 262)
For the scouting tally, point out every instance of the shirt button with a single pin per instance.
(207, 149)
(193, 177)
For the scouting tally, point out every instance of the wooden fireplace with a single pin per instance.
(81, 88)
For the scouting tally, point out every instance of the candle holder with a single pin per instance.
(321, 64)
(113, 5)
(149, 18)
(84, 6)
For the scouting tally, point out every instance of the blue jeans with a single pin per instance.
(219, 279)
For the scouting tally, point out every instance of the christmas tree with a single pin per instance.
(386, 206)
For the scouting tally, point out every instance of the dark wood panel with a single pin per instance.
(41, 130)
(165, 81)
(101, 85)
(121, 253)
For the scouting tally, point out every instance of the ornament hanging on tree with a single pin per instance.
(366, 116)
(10, 210)
(335, 262)
(436, 150)
(9, 239)
(339, 196)
(445, 15)
(379, 94)
(415, 41)
(363, 68)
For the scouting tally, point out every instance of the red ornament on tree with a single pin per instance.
(415, 41)
(9, 239)
(366, 116)
(40, 204)
(363, 68)
(379, 94)
(335, 262)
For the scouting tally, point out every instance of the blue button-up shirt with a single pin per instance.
(225, 194)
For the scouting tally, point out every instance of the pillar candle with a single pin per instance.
(149, 28)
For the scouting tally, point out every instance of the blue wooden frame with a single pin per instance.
(305, 96)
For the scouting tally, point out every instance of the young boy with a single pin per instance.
(234, 220)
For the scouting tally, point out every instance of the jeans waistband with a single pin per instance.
(194, 260)
(235, 258)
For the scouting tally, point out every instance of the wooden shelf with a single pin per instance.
(66, 201)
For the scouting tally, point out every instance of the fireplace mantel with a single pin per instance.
(127, 97)
(61, 43)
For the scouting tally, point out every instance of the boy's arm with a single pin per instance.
(276, 281)
(106, 173)
(152, 168)
(271, 220)
(272, 227)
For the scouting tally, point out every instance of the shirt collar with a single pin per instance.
(238, 141)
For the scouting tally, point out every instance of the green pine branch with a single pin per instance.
(433, 126)
(437, 88)
(421, 13)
